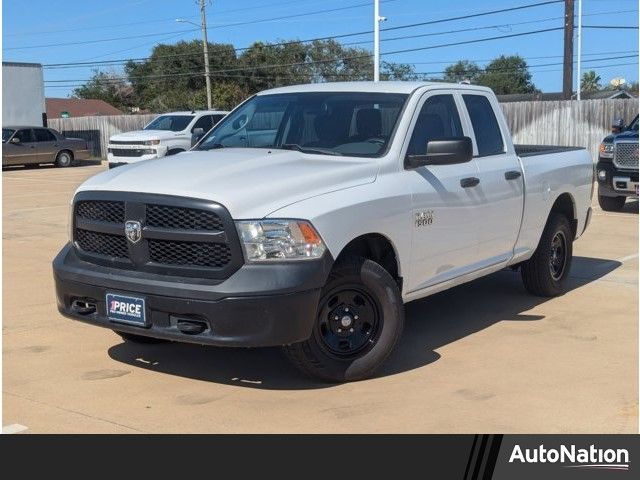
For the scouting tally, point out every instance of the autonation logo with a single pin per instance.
(573, 457)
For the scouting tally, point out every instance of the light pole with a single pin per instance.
(205, 48)
(579, 49)
(376, 39)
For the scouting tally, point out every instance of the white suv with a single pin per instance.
(167, 134)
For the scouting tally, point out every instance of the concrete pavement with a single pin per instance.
(483, 357)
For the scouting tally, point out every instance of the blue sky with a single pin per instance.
(75, 22)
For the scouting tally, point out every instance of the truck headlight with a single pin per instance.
(606, 150)
(152, 142)
(278, 240)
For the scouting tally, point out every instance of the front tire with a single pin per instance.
(133, 338)
(611, 204)
(64, 159)
(545, 273)
(358, 324)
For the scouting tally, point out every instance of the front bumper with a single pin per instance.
(616, 182)
(258, 306)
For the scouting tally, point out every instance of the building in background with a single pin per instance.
(79, 107)
(23, 94)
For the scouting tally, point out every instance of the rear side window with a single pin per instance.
(205, 123)
(44, 135)
(438, 119)
(485, 125)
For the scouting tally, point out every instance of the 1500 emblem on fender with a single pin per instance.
(133, 231)
(424, 218)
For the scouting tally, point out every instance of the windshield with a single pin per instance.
(6, 134)
(633, 127)
(330, 123)
(175, 123)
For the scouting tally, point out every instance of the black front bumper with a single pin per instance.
(259, 305)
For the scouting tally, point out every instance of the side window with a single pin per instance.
(24, 135)
(485, 125)
(438, 119)
(44, 135)
(205, 123)
(217, 118)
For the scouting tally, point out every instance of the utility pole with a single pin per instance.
(567, 79)
(579, 89)
(205, 46)
(376, 40)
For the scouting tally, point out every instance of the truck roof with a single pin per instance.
(380, 87)
(196, 112)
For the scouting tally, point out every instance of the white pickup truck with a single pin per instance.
(167, 134)
(311, 214)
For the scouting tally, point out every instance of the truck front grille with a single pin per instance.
(131, 152)
(102, 243)
(626, 155)
(179, 236)
(102, 211)
(164, 216)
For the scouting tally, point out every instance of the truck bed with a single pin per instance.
(533, 150)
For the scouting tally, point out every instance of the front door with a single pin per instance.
(20, 153)
(444, 199)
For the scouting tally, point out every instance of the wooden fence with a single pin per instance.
(569, 123)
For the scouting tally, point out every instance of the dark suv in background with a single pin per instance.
(617, 168)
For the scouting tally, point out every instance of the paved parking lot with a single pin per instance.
(485, 356)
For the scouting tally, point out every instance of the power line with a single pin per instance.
(443, 20)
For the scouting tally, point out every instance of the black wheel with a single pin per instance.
(133, 338)
(64, 159)
(611, 204)
(545, 272)
(359, 322)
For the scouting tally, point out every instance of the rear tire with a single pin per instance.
(611, 204)
(358, 323)
(64, 159)
(544, 274)
(133, 338)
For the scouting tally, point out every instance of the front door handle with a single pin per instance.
(512, 175)
(469, 182)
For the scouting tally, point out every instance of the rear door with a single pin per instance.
(501, 187)
(445, 218)
(20, 153)
(47, 145)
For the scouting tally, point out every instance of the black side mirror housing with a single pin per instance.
(446, 151)
(196, 135)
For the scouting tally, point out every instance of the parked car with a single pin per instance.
(167, 134)
(35, 145)
(310, 214)
(617, 166)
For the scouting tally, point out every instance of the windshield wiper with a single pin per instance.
(295, 146)
(215, 146)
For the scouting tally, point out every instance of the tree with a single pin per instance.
(590, 82)
(462, 70)
(398, 71)
(110, 87)
(507, 74)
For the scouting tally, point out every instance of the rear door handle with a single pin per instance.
(512, 175)
(469, 182)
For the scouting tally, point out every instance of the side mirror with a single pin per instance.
(15, 140)
(617, 126)
(196, 135)
(446, 151)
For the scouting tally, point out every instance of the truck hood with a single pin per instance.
(142, 135)
(251, 183)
